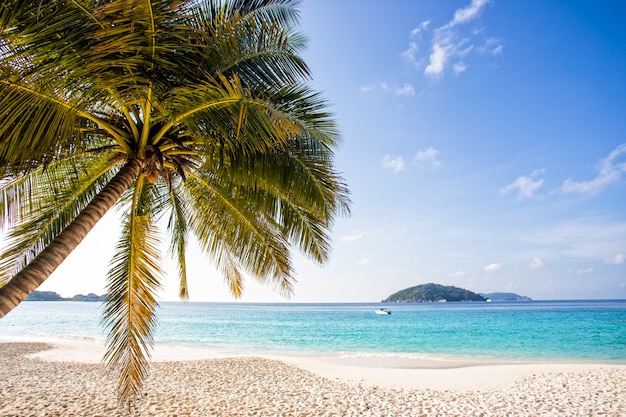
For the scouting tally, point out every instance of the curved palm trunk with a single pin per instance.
(39, 269)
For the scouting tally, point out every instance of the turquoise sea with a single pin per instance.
(579, 331)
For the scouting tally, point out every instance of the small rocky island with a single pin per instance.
(53, 296)
(433, 293)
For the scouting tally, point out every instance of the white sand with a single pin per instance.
(185, 381)
(433, 374)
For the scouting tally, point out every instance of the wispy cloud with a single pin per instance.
(493, 267)
(458, 274)
(410, 54)
(407, 89)
(526, 186)
(422, 26)
(469, 12)
(585, 271)
(394, 163)
(355, 235)
(449, 44)
(535, 263)
(610, 170)
(586, 238)
(363, 261)
(491, 46)
(428, 156)
(459, 67)
(618, 259)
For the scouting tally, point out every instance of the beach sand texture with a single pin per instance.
(251, 386)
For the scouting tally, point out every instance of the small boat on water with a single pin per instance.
(382, 311)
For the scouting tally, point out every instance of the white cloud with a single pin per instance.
(468, 13)
(423, 26)
(363, 261)
(406, 90)
(609, 171)
(493, 267)
(535, 263)
(585, 271)
(459, 67)
(395, 164)
(355, 235)
(492, 46)
(497, 50)
(438, 57)
(410, 54)
(465, 51)
(618, 259)
(429, 156)
(446, 44)
(367, 88)
(526, 186)
(458, 274)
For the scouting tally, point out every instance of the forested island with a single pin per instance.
(432, 293)
(53, 296)
(501, 297)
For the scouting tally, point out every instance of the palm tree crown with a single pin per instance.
(195, 112)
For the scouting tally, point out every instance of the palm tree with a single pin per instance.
(193, 115)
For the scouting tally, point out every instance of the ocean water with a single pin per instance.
(580, 331)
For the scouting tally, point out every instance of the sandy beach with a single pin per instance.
(68, 380)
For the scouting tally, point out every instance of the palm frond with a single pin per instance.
(45, 39)
(284, 12)
(254, 40)
(307, 110)
(130, 306)
(299, 189)
(177, 228)
(233, 276)
(38, 206)
(225, 116)
(225, 221)
(33, 126)
(135, 38)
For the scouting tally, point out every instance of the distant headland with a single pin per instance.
(432, 293)
(53, 296)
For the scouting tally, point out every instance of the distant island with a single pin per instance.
(53, 296)
(501, 297)
(432, 293)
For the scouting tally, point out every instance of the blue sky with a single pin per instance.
(484, 143)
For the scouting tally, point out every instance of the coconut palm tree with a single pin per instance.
(194, 118)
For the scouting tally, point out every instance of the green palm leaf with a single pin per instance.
(41, 205)
(266, 57)
(226, 221)
(36, 114)
(178, 229)
(130, 306)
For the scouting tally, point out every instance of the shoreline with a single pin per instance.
(458, 374)
(40, 381)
